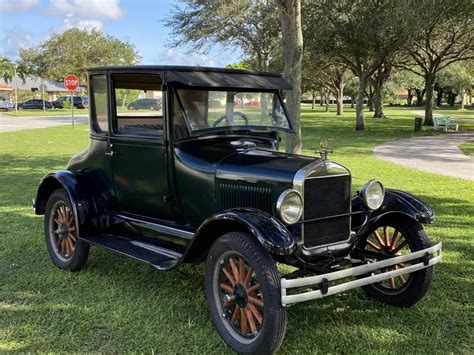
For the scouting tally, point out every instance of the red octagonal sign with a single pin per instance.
(71, 82)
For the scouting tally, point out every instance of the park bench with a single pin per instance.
(444, 122)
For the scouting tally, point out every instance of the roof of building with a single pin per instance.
(34, 83)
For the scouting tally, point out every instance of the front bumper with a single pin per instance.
(325, 285)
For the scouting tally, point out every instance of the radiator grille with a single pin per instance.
(324, 197)
(236, 195)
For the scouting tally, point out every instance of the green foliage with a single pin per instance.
(7, 69)
(75, 50)
(251, 26)
(458, 76)
(467, 148)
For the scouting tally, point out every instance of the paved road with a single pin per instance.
(11, 123)
(436, 154)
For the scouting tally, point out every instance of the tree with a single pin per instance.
(250, 25)
(75, 50)
(459, 77)
(445, 35)
(364, 34)
(378, 80)
(292, 44)
(8, 69)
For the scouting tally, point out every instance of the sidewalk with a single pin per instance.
(11, 123)
(435, 154)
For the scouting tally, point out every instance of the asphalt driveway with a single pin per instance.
(11, 123)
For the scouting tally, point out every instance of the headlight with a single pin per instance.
(372, 194)
(290, 206)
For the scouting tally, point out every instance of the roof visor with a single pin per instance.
(215, 80)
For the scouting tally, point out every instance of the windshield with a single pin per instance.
(228, 110)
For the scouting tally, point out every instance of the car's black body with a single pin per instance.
(34, 104)
(79, 102)
(166, 200)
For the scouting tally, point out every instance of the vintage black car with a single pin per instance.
(145, 104)
(34, 104)
(204, 181)
(79, 102)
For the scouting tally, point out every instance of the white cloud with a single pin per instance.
(174, 57)
(17, 5)
(15, 38)
(71, 22)
(87, 9)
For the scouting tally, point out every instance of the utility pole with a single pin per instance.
(16, 87)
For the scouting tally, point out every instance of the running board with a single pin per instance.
(327, 283)
(158, 257)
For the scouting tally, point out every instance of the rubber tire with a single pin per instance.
(420, 281)
(81, 251)
(275, 316)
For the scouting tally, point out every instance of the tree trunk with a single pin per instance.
(352, 102)
(292, 40)
(313, 101)
(439, 97)
(419, 97)
(326, 100)
(370, 99)
(378, 100)
(320, 98)
(463, 95)
(360, 103)
(429, 90)
(409, 97)
(340, 103)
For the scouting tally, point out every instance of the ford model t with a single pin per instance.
(201, 179)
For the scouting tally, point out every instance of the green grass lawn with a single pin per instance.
(467, 148)
(52, 112)
(120, 305)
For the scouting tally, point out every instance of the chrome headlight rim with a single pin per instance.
(281, 200)
(364, 192)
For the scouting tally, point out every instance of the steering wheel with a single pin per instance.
(236, 114)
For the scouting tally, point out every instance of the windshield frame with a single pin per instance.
(236, 128)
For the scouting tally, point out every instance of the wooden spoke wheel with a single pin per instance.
(61, 234)
(63, 231)
(389, 240)
(244, 295)
(242, 301)
(395, 236)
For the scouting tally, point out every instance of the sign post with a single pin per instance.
(71, 82)
(43, 88)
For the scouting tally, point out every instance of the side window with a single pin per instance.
(100, 122)
(138, 105)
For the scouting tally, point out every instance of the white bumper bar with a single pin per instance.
(326, 282)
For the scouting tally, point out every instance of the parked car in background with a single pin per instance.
(34, 104)
(145, 104)
(5, 105)
(79, 102)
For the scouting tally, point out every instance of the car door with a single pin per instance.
(139, 158)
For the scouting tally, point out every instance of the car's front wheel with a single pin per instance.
(243, 293)
(396, 237)
(60, 230)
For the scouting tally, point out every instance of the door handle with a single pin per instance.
(111, 151)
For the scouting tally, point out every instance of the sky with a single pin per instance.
(26, 23)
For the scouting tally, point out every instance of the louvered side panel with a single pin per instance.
(235, 195)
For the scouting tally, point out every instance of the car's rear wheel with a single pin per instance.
(243, 293)
(60, 229)
(395, 237)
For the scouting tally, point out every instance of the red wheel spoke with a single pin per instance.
(241, 269)
(392, 282)
(243, 322)
(235, 271)
(379, 238)
(253, 288)
(63, 246)
(387, 236)
(226, 288)
(229, 276)
(249, 315)
(70, 235)
(376, 247)
(57, 221)
(400, 277)
(394, 239)
(248, 277)
(400, 246)
(255, 313)
(235, 314)
(255, 301)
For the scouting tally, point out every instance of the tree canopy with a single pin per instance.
(75, 50)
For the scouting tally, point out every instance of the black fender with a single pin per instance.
(268, 230)
(395, 202)
(80, 194)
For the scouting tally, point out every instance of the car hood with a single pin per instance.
(261, 165)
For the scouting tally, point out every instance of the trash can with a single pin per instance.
(418, 123)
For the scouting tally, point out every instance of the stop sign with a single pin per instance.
(71, 82)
